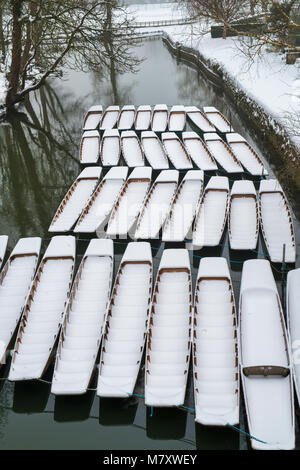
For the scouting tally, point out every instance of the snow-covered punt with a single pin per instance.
(110, 147)
(199, 119)
(100, 205)
(84, 318)
(212, 213)
(126, 117)
(199, 151)
(184, 207)
(215, 353)
(89, 147)
(264, 358)
(154, 151)
(43, 312)
(130, 202)
(132, 150)
(218, 120)
(126, 323)
(15, 280)
(222, 153)
(176, 151)
(75, 200)
(169, 334)
(92, 118)
(177, 118)
(246, 154)
(159, 120)
(243, 219)
(110, 117)
(276, 222)
(157, 205)
(3, 246)
(293, 322)
(143, 118)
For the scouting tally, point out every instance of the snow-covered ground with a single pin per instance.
(155, 12)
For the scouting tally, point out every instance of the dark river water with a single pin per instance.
(38, 163)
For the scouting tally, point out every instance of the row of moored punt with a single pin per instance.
(174, 324)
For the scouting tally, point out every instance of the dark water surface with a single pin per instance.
(38, 163)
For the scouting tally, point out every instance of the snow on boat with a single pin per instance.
(43, 312)
(126, 323)
(15, 280)
(243, 218)
(212, 213)
(157, 205)
(293, 323)
(176, 151)
(222, 153)
(215, 348)
(126, 117)
(99, 207)
(130, 202)
(183, 207)
(177, 118)
(246, 154)
(84, 318)
(89, 147)
(143, 118)
(169, 334)
(198, 151)
(159, 119)
(75, 200)
(199, 119)
(110, 117)
(3, 246)
(154, 151)
(110, 147)
(264, 358)
(132, 149)
(276, 222)
(92, 118)
(217, 119)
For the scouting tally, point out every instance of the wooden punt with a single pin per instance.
(265, 360)
(92, 118)
(276, 222)
(43, 312)
(199, 119)
(218, 120)
(126, 323)
(170, 332)
(243, 216)
(223, 153)
(157, 205)
(98, 209)
(110, 151)
(110, 117)
(89, 147)
(130, 202)
(15, 280)
(211, 213)
(177, 118)
(246, 155)
(159, 120)
(215, 346)
(143, 118)
(183, 208)
(176, 151)
(84, 318)
(3, 246)
(293, 323)
(131, 149)
(154, 150)
(75, 200)
(126, 117)
(199, 152)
